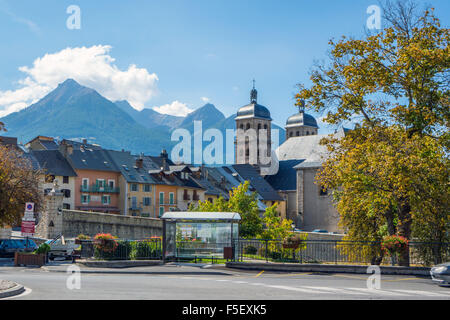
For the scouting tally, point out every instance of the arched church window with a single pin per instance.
(248, 126)
(290, 134)
(298, 133)
(242, 126)
(265, 126)
(259, 126)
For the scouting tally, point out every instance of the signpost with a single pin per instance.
(28, 222)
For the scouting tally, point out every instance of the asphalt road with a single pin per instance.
(187, 282)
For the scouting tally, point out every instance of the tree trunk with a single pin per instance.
(404, 230)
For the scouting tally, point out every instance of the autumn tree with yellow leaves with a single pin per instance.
(19, 184)
(390, 174)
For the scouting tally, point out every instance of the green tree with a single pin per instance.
(390, 174)
(275, 228)
(242, 202)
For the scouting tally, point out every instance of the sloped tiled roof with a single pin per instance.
(261, 186)
(92, 159)
(286, 177)
(53, 162)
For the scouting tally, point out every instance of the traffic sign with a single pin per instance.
(29, 206)
(28, 228)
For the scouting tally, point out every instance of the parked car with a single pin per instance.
(9, 246)
(441, 274)
(60, 247)
(320, 230)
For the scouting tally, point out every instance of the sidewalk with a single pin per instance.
(329, 268)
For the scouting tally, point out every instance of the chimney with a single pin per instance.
(85, 141)
(140, 163)
(164, 154)
(165, 165)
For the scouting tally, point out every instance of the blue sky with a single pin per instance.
(189, 49)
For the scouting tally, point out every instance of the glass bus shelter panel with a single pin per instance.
(170, 239)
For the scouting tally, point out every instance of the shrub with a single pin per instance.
(83, 237)
(394, 244)
(250, 250)
(44, 248)
(104, 245)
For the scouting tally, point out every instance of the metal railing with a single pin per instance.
(338, 252)
(99, 189)
(117, 249)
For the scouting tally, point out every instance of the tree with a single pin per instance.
(242, 202)
(395, 86)
(19, 184)
(276, 228)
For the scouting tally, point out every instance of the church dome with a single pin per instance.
(253, 110)
(301, 119)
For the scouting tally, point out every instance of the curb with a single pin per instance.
(119, 263)
(14, 291)
(146, 272)
(356, 269)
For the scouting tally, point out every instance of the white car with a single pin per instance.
(59, 247)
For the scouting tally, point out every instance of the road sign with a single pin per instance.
(28, 228)
(29, 206)
(28, 216)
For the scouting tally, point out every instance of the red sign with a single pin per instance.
(28, 227)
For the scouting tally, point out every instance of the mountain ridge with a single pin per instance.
(72, 111)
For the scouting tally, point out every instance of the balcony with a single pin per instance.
(94, 188)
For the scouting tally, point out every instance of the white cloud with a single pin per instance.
(92, 67)
(176, 108)
(205, 99)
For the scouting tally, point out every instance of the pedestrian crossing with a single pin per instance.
(350, 292)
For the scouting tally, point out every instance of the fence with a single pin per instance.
(338, 252)
(148, 249)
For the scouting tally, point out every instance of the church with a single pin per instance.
(299, 159)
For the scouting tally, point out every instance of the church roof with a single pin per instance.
(301, 119)
(306, 148)
(253, 110)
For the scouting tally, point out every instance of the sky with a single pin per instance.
(173, 55)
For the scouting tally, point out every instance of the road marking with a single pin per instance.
(259, 274)
(222, 280)
(378, 291)
(424, 293)
(257, 284)
(296, 289)
(336, 290)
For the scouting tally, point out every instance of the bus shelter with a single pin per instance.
(193, 235)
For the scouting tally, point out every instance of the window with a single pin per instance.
(66, 193)
(134, 187)
(171, 198)
(65, 179)
(66, 206)
(290, 134)
(133, 202)
(161, 211)
(85, 199)
(85, 183)
(101, 183)
(161, 197)
(147, 201)
(210, 200)
(323, 191)
(297, 133)
(111, 184)
(106, 199)
(265, 126)
(147, 187)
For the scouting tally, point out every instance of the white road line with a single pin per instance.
(337, 290)
(240, 282)
(296, 289)
(424, 293)
(257, 284)
(378, 291)
(222, 280)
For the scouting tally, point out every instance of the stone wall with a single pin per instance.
(124, 227)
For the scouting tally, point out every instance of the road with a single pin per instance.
(187, 282)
